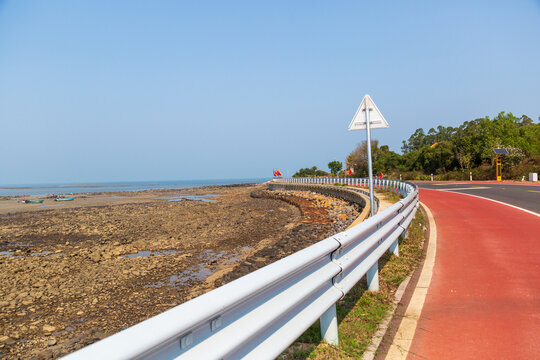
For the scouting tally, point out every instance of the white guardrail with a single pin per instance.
(259, 315)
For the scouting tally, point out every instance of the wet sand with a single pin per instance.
(76, 273)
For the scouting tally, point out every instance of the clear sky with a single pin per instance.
(162, 90)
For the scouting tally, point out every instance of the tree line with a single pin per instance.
(455, 152)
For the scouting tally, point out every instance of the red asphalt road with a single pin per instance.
(484, 298)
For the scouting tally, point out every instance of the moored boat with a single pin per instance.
(32, 201)
(64, 199)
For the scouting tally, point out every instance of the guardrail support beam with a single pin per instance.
(329, 328)
(394, 248)
(373, 277)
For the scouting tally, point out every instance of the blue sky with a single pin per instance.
(141, 90)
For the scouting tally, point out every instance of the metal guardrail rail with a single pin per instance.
(259, 315)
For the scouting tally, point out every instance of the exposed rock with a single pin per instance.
(49, 328)
(87, 284)
(4, 338)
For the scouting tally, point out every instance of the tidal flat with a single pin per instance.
(76, 273)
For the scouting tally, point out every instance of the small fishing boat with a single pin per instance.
(32, 201)
(64, 199)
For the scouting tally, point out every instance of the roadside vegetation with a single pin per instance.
(310, 172)
(453, 153)
(360, 311)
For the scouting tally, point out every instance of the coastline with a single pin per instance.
(9, 204)
(76, 273)
(42, 190)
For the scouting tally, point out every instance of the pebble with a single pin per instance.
(49, 328)
(341, 212)
(4, 338)
(52, 342)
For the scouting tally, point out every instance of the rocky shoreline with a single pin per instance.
(74, 275)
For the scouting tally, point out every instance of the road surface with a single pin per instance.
(523, 196)
(484, 296)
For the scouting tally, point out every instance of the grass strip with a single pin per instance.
(360, 311)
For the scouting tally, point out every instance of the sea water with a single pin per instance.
(45, 189)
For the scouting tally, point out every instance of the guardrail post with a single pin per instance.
(329, 328)
(394, 248)
(373, 277)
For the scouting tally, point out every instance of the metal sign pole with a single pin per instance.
(499, 164)
(375, 119)
(371, 202)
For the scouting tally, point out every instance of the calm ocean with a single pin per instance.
(45, 189)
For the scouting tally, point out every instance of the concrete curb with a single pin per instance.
(371, 350)
(364, 214)
(347, 193)
(402, 341)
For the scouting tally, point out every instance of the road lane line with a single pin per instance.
(467, 188)
(497, 183)
(444, 184)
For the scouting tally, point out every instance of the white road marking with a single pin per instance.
(443, 184)
(477, 182)
(466, 188)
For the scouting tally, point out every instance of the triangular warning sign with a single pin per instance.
(376, 119)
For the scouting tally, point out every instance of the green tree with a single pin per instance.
(385, 160)
(335, 167)
(530, 135)
(437, 159)
(307, 172)
(466, 147)
(358, 158)
(415, 142)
